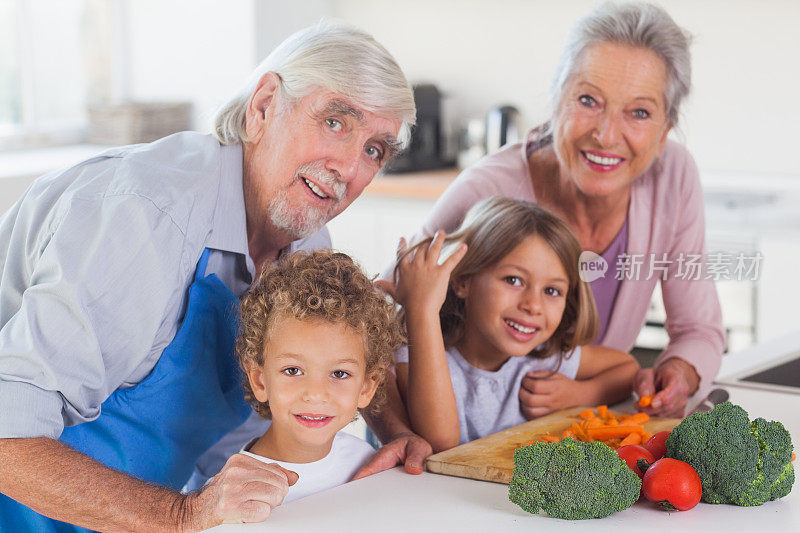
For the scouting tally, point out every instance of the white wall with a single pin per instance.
(742, 115)
(277, 19)
(203, 50)
(197, 50)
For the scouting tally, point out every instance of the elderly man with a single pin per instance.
(119, 278)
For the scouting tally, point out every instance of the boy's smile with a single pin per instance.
(314, 379)
(313, 421)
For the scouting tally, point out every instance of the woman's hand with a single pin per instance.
(542, 393)
(422, 282)
(671, 383)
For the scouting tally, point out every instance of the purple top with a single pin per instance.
(605, 288)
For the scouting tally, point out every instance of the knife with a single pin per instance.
(714, 398)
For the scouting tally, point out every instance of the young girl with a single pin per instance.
(316, 340)
(507, 303)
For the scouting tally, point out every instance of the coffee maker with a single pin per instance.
(426, 150)
(502, 127)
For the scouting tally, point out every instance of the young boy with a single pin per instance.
(315, 341)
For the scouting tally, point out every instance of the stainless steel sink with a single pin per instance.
(781, 374)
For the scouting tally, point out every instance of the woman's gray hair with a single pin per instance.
(635, 24)
(335, 56)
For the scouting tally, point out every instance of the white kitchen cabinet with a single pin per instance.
(371, 227)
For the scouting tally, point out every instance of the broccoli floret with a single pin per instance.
(572, 480)
(739, 462)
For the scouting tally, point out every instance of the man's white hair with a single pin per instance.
(331, 55)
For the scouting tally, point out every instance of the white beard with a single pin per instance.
(303, 222)
(298, 224)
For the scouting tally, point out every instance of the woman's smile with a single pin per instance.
(601, 162)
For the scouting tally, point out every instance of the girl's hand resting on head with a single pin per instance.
(421, 281)
(542, 393)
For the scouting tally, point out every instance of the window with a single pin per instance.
(10, 79)
(48, 51)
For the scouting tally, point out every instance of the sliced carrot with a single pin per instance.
(609, 429)
(593, 423)
(644, 401)
(793, 456)
(633, 438)
(638, 418)
(580, 433)
(613, 432)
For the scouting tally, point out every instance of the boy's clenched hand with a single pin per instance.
(245, 490)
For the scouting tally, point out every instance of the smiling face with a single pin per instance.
(612, 118)
(513, 306)
(314, 378)
(308, 160)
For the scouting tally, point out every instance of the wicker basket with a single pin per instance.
(137, 122)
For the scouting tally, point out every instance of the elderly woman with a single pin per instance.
(605, 165)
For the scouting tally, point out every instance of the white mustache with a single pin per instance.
(324, 177)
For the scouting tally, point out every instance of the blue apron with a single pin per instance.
(157, 430)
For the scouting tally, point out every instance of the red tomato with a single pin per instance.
(657, 444)
(672, 484)
(632, 453)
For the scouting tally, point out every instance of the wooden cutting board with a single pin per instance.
(492, 458)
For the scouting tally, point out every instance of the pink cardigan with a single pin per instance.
(665, 216)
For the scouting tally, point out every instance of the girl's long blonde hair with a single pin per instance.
(491, 229)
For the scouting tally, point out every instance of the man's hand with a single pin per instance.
(245, 490)
(408, 449)
(59, 482)
(671, 383)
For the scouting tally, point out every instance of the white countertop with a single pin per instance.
(396, 501)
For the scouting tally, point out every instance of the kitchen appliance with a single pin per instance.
(492, 458)
(502, 127)
(427, 148)
(472, 142)
(485, 135)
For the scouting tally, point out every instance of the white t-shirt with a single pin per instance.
(488, 402)
(348, 454)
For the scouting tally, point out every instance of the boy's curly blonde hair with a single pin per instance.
(324, 285)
